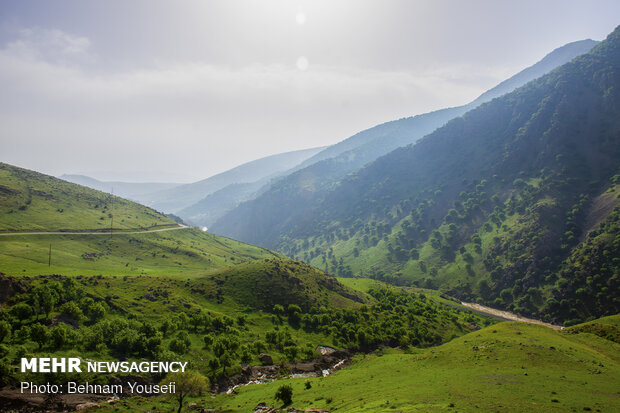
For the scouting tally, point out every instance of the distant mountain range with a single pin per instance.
(204, 202)
(170, 198)
(129, 190)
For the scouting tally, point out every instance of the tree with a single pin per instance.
(70, 290)
(5, 330)
(291, 352)
(246, 355)
(189, 383)
(178, 345)
(152, 345)
(484, 288)
(45, 299)
(21, 311)
(294, 314)
(197, 320)
(97, 312)
(168, 327)
(208, 339)
(70, 309)
(278, 310)
(59, 336)
(285, 394)
(39, 334)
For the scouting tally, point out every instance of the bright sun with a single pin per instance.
(300, 18)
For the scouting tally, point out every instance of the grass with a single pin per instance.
(33, 202)
(506, 367)
(153, 276)
(30, 201)
(183, 252)
(263, 283)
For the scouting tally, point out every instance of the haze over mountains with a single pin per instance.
(320, 173)
(129, 190)
(493, 206)
(391, 135)
(204, 202)
(169, 198)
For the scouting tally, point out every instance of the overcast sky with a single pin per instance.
(180, 90)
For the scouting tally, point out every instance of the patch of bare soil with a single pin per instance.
(601, 207)
(507, 315)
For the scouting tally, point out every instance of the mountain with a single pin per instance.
(182, 196)
(292, 196)
(209, 209)
(386, 137)
(498, 205)
(129, 190)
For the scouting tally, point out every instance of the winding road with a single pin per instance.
(96, 233)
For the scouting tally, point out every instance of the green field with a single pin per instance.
(182, 252)
(30, 201)
(33, 202)
(507, 367)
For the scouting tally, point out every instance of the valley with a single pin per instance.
(465, 259)
(499, 205)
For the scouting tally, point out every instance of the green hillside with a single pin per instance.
(264, 283)
(179, 293)
(215, 322)
(33, 202)
(30, 201)
(514, 204)
(188, 252)
(506, 367)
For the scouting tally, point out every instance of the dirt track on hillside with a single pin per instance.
(507, 315)
(95, 233)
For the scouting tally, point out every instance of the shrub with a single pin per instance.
(285, 394)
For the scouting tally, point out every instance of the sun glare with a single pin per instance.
(302, 63)
(300, 18)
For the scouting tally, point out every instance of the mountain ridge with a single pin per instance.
(486, 207)
(305, 187)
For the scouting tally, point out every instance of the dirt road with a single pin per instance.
(507, 315)
(96, 233)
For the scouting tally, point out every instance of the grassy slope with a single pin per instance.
(507, 367)
(130, 272)
(170, 296)
(153, 300)
(184, 252)
(263, 283)
(143, 300)
(30, 201)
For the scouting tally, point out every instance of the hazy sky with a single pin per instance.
(180, 90)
